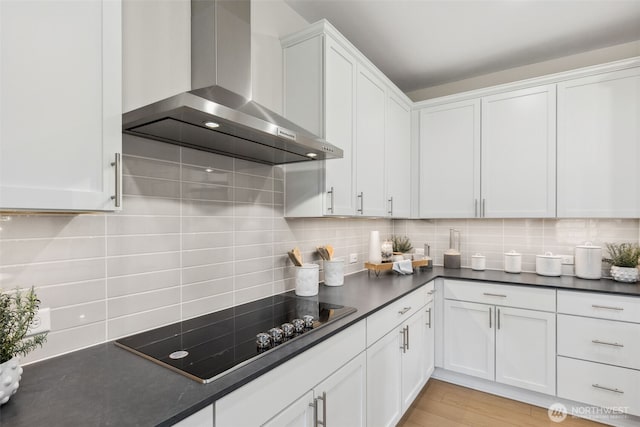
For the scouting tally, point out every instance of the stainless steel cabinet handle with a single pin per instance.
(613, 344)
(431, 292)
(361, 197)
(475, 208)
(483, 206)
(391, 206)
(404, 310)
(498, 319)
(494, 295)
(606, 307)
(601, 387)
(118, 169)
(330, 208)
(407, 337)
(490, 311)
(403, 347)
(429, 324)
(314, 405)
(323, 398)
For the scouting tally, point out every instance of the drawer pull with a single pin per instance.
(404, 310)
(494, 295)
(613, 344)
(607, 307)
(431, 292)
(490, 311)
(601, 387)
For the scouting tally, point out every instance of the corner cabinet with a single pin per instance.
(333, 91)
(501, 333)
(599, 146)
(493, 157)
(60, 105)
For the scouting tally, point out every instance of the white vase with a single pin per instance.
(10, 374)
(624, 274)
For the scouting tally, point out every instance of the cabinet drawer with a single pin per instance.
(605, 341)
(601, 385)
(600, 305)
(504, 295)
(381, 322)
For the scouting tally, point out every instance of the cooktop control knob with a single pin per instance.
(277, 335)
(288, 330)
(263, 340)
(308, 321)
(298, 325)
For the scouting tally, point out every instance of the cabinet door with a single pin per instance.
(429, 341)
(370, 107)
(397, 147)
(384, 380)
(526, 349)
(413, 359)
(339, 113)
(60, 111)
(298, 414)
(469, 339)
(519, 154)
(344, 395)
(599, 146)
(450, 160)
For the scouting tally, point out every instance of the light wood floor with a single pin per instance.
(441, 404)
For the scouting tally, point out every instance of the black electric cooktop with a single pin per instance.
(204, 347)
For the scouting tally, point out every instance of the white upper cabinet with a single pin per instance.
(519, 154)
(331, 89)
(599, 145)
(397, 157)
(60, 105)
(370, 137)
(450, 160)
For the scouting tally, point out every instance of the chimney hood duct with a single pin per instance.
(218, 115)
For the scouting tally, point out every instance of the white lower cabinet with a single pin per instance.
(337, 401)
(335, 368)
(509, 345)
(396, 366)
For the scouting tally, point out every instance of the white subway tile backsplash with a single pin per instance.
(43, 250)
(78, 315)
(131, 304)
(189, 242)
(125, 285)
(142, 321)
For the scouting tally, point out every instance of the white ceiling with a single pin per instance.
(423, 43)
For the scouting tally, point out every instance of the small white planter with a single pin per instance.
(10, 374)
(624, 274)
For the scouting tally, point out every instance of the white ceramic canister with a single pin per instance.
(307, 278)
(549, 264)
(588, 262)
(512, 262)
(478, 262)
(333, 272)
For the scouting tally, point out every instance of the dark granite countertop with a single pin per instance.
(107, 386)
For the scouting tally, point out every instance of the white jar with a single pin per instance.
(549, 265)
(334, 272)
(512, 262)
(588, 261)
(307, 278)
(478, 262)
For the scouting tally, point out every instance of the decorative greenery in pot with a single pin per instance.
(623, 258)
(17, 311)
(401, 244)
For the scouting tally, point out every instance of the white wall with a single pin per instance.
(594, 57)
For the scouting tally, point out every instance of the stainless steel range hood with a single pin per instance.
(218, 115)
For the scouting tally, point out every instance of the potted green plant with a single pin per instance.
(623, 258)
(401, 245)
(17, 311)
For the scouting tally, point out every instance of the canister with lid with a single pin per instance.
(588, 261)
